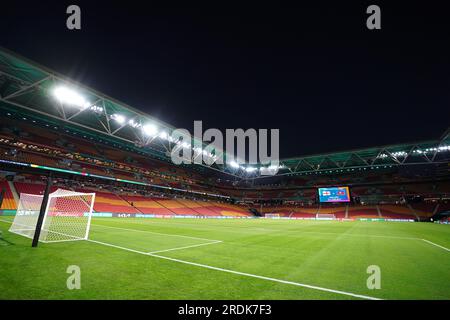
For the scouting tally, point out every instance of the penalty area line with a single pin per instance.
(435, 244)
(153, 232)
(186, 247)
(240, 273)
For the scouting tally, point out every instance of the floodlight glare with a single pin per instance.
(66, 95)
(150, 129)
(119, 118)
(250, 169)
(163, 135)
(96, 109)
(134, 124)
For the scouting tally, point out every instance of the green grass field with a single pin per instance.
(135, 258)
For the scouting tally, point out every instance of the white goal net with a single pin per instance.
(272, 215)
(67, 216)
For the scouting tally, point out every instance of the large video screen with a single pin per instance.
(334, 194)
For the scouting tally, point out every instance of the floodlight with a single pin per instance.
(150, 129)
(66, 95)
(134, 124)
(163, 135)
(119, 118)
(96, 109)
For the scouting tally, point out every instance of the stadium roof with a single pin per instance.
(39, 91)
(36, 89)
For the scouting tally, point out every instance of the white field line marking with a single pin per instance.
(65, 240)
(434, 244)
(379, 236)
(361, 235)
(164, 234)
(298, 232)
(115, 246)
(210, 241)
(185, 247)
(240, 273)
(221, 227)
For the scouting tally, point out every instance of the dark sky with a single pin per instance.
(315, 72)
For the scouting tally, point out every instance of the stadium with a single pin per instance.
(154, 230)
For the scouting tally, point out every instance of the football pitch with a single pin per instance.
(138, 258)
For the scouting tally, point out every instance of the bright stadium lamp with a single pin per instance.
(134, 124)
(66, 95)
(150, 129)
(163, 135)
(97, 109)
(119, 118)
(250, 169)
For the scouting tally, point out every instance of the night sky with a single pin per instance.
(316, 73)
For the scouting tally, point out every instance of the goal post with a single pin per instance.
(27, 215)
(272, 215)
(325, 216)
(67, 216)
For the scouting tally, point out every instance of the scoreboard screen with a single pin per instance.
(334, 194)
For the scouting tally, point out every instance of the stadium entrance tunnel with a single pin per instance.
(255, 212)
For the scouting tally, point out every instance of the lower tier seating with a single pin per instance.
(8, 199)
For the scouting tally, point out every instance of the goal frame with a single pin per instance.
(46, 229)
(272, 216)
(91, 208)
(325, 216)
